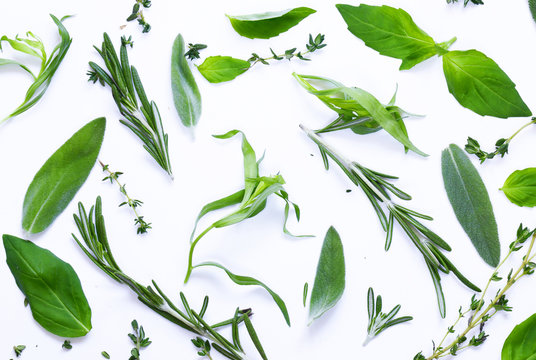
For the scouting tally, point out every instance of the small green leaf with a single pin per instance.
(51, 286)
(218, 69)
(532, 8)
(521, 343)
(480, 85)
(520, 187)
(269, 24)
(58, 180)
(471, 204)
(330, 276)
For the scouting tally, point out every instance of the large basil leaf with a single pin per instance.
(521, 343)
(218, 69)
(58, 180)
(471, 204)
(480, 85)
(520, 187)
(269, 24)
(51, 287)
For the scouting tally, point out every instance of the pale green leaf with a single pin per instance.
(520, 187)
(218, 69)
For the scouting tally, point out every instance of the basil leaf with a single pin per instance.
(471, 204)
(186, 94)
(269, 24)
(521, 343)
(51, 287)
(391, 32)
(479, 84)
(218, 69)
(520, 187)
(58, 180)
(330, 273)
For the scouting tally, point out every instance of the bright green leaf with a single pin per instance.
(521, 343)
(218, 69)
(520, 187)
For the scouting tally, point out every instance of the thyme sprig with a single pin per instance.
(465, 2)
(144, 121)
(137, 14)
(378, 189)
(193, 51)
(94, 243)
(477, 312)
(313, 45)
(18, 349)
(138, 338)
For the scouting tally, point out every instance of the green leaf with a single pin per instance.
(520, 187)
(471, 204)
(391, 32)
(186, 94)
(246, 280)
(218, 69)
(51, 287)
(521, 343)
(532, 8)
(330, 276)
(479, 84)
(269, 24)
(58, 180)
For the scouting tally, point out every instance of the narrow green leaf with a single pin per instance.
(58, 180)
(51, 287)
(218, 69)
(532, 8)
(471, 204)
(186, 94)
(330, 276)
(269, 24)
(521, 343)
(480, 85)
(305, 293)
(520, 187)
(254, 337)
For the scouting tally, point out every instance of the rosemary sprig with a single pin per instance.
(478, 314)
(95, 245)
(142, 225)
(313, 45)
(144, 121)
(137, 14)
(377, 187)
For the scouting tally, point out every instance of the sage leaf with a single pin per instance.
(479, 84)
(521, 343)
(520, 187)
(330, 276)
(58, 180)
(51, 287)
(269, 24)
(247, 280)
(186, 94)
(218, 69)
(471, 204)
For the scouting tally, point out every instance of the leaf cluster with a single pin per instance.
(193, 51)
(465, 2)
(137, 14)
(139, 340)
(18, 349)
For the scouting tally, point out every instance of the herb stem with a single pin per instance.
(533, 120)
(191, 253)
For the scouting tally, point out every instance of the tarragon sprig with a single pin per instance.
(314, 44)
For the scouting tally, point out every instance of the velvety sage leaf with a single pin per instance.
(391, 32)
(521, 343)
(247, 280)
(51, 287)
(218, 69)
(520, 187)
(471, 204)
(58, 180)
(330, 276)
(186, 94)
(269, 24)
(480, 85)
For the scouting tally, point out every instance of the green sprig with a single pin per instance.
(465, 2)
(313, 45)
(193, 51)
(137, 14)
(138, 339)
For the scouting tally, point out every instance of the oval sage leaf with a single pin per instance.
(521, 343)
(186, 94)
(480, 85)
(330, 276)
(218, 69)
(269, 24)
(471, 204)
(58, 180)
(51, 287)
(520, 187)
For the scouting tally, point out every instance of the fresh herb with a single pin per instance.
(471, 204)
(105, 355)
(305, 293)
(252, 198)
(95, 245)
(465, 2)
(203, 347)
(138, 339)
(67, 345)
(137, 14)
(477, 313)
(501, 145)
(18, 349)
(144, 121)
(142, 225)
(521, 343)
(61, 176)
(193, 51)
(532, 8)
(51, 286)
(377, 188)
(314, 44)
(378, 321)
(33, 46)
(520, 187)
(269, 24)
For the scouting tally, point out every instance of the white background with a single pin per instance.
(268, 104)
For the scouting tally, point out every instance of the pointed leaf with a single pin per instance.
(520, 187)
(218, 69)
(521, 343)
